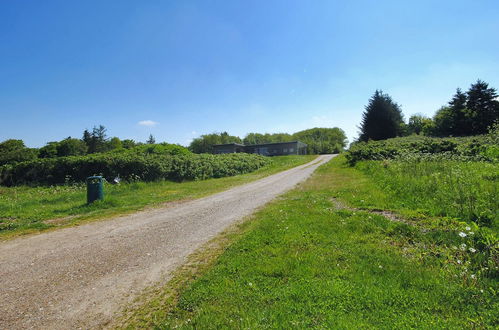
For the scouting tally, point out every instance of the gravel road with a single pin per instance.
(81, 276)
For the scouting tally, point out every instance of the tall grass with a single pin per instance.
(467, 191)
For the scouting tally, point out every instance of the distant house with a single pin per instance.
(267, 149)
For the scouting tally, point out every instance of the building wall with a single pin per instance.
(228, 149)
(269, 149)
(278, 149)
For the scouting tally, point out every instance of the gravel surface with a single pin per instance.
(81, 276)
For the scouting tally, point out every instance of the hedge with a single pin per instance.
(129, 167)
(475, 148)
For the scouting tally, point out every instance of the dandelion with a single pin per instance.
(472, 250)
(462, 234)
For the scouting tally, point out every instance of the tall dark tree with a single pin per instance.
(97, 140)
(90, 141)
(151, 139)
(483, 105)
(382, 118)
(460, 119)
(100, 133)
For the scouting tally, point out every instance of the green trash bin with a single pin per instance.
(95, 188)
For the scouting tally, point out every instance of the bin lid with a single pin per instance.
(96, 177)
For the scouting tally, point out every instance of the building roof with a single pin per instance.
(229, 144)
(255, 145)
(274, 143)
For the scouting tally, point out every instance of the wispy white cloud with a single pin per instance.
(148, 123)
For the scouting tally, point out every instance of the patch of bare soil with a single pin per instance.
(339, 205)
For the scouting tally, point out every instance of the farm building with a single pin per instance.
(267, 149)
(228, 148)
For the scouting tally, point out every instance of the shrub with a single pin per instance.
(475, 148)
(129, 166)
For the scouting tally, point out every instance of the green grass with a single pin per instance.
(467, 191)
(25, 209)
(302, 263)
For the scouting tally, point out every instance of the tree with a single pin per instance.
(115, 143)
(97, 140)
(382, 118)
(151, 139)
(71, 147)
(254, 138)
(128, 143)
(322, 140)
(416, 124)
(483, 105)
(257, 138)
(460, 119)
(12, 151)
(204, 143)
(443, 122)
(49, 150)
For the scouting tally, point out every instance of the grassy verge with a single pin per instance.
(26, 209)
(304, 263)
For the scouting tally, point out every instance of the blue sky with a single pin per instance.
(178, 69)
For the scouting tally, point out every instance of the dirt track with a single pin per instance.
(80, 276)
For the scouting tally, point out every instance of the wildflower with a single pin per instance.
(462, 234)
(458, 261)
(472, 250)
(471, 233)
(380, 266)
(463, 247)
(250, 284)
(468, 228)
(473, 276)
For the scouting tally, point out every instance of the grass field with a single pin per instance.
(324, 257)
(25, 209)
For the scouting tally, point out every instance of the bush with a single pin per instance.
(475, 148)
(129, 166)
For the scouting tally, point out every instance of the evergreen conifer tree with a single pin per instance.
(151, 139)
(483, 105)
(460, 121)
(382, 118)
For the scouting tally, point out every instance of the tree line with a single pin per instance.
(319, 140)
(95, 141)
(467, 113)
